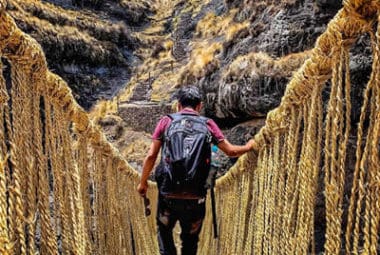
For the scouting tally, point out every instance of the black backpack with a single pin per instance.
(185, 156)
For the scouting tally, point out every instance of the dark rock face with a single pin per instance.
(64, 3)
(327, 4)
(241, 133)
(360, 72)
(276, 30)
(256, 87)
(128, 11)
(90, 84)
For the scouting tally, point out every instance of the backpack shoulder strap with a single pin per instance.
(175, 116)
(204, 119)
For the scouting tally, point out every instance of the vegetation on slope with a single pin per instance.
(91, 48)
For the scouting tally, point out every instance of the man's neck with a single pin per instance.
(188, 109)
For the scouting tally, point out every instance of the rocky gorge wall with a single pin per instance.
(250, 73)
(241, 53)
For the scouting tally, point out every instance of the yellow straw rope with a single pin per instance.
(4, 239)
(4, 231)
(371, 211)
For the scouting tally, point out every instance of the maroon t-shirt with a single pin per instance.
(165, 121)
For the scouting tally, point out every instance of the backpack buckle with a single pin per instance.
(209, 137)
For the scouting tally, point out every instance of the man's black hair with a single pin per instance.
(189, 96)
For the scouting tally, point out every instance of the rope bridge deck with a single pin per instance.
(65, 190)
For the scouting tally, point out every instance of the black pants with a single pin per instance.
(190, 214)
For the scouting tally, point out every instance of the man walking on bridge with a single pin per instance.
(185, 139)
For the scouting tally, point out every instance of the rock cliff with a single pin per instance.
(241, 53)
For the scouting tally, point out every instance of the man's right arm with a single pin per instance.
(154, 149)
(148, 164)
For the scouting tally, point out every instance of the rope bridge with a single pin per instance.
(65, 190)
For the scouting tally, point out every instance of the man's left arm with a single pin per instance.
(230, 149)
(148, 165)
(236, 150)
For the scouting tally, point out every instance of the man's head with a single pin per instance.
(189, 96)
